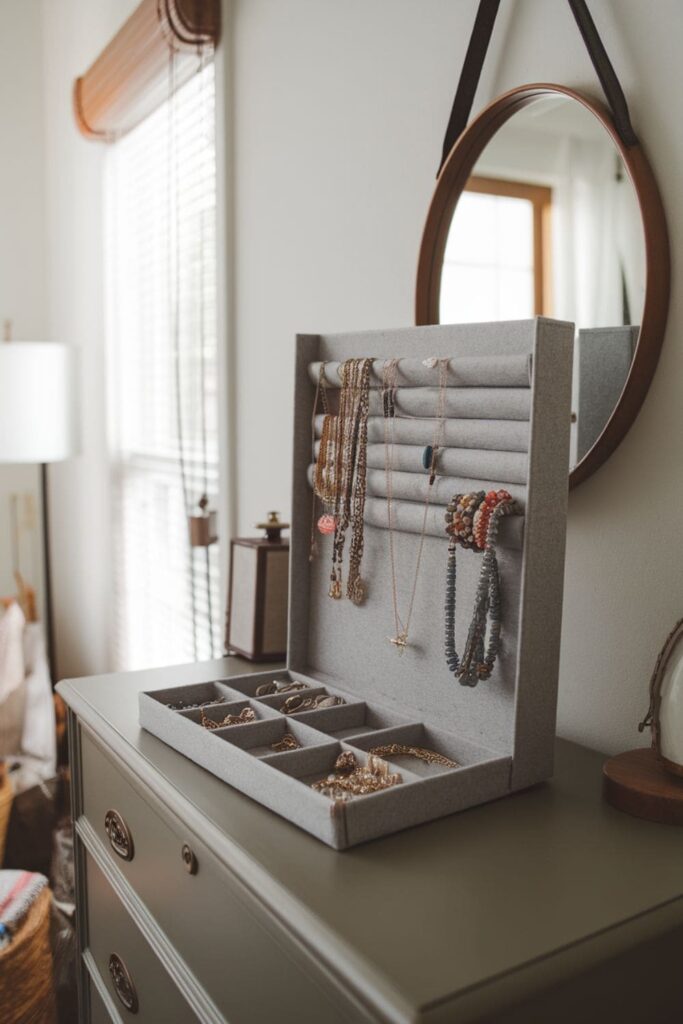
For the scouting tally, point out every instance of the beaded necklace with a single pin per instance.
(466, 518)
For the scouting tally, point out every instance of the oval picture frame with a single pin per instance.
(449, 187)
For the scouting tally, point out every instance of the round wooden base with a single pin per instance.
(636, 782)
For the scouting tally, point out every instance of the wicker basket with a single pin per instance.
(6, 795)
(26, 992)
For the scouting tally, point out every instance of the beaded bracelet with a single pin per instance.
(472, 521)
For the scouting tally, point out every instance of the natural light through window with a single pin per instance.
(488, 271)
(161, 290)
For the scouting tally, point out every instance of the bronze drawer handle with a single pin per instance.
(123, 983)
(120, 837)
(189, 859)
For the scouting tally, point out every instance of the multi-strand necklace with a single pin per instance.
(472, 522)
(351, 458)
(339, 475)
(430, 456)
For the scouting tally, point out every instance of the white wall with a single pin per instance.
(74, 31)
(624, 578)
(336, 114)
(339, 112)
(22, 223)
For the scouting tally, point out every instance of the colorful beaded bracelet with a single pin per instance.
(472, 522)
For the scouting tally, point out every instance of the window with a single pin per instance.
(496, 265)
(161, 297)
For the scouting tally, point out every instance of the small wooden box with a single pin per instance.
(258, 599)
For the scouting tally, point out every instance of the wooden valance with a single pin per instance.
(131, 76)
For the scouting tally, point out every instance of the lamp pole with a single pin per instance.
(47, 576)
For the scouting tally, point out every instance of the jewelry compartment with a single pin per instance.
(315, 765)
(249, 685)
(499, 395)
(427, 741)
(351, 719)
(196, 695)
(273, 737)
(211, 717)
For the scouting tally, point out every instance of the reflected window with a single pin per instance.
(497, 259)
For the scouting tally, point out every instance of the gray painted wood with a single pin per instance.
(98, 1011)
(454, 920)
(102, 1009)
(111, 930)
(212, 925)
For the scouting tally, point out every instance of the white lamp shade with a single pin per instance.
(37, 401)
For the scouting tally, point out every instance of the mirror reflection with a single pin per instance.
(549, 224)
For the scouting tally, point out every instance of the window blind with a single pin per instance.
(162, 346)
(129, 79)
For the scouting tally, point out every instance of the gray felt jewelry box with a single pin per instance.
(508, 409)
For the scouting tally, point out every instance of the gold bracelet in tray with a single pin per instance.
(422, 753)
(245, 716)
(349, 778)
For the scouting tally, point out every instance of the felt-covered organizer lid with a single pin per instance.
(506, 425)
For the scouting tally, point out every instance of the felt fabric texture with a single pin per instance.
(409, 517)
(604, 356)
(468, 403)
(337, 641)
(490, 435)
(507, 370)
(504, 467)
(495, 466)
(502, 732)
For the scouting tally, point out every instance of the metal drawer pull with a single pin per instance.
(189, 859)
(123, 983)
(119, 834)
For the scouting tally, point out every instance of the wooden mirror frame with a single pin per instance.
(449, 187)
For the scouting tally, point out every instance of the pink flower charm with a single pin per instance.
(327, 523)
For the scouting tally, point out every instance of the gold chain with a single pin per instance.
(288, 742)
(351, 779)
(246, 715)
(389, 384)
(422, 753)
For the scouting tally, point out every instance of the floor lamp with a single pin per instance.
(38, 425)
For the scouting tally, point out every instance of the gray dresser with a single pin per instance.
(197, 904)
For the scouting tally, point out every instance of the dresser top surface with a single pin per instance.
(435, 910)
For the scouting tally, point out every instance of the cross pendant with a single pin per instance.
(400, 642)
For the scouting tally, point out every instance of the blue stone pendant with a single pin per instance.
(427, 456)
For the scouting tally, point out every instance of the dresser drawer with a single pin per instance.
(99, 1014)
(136, 980)
(241, 955)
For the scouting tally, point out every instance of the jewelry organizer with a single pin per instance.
(507, 421)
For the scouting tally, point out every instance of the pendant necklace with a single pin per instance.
(389, 385)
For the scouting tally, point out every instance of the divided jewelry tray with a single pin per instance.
(507, 421)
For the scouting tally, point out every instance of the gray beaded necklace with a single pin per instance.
(478, 658)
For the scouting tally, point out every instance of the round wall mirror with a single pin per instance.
(541, 210)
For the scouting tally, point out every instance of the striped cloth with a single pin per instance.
(18, 890)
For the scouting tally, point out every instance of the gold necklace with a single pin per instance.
(349, 778)
(421, 753)
(351, 459)
(389, 384)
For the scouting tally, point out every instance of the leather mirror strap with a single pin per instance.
(476, 54)
(603, 67)
(470, 74)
